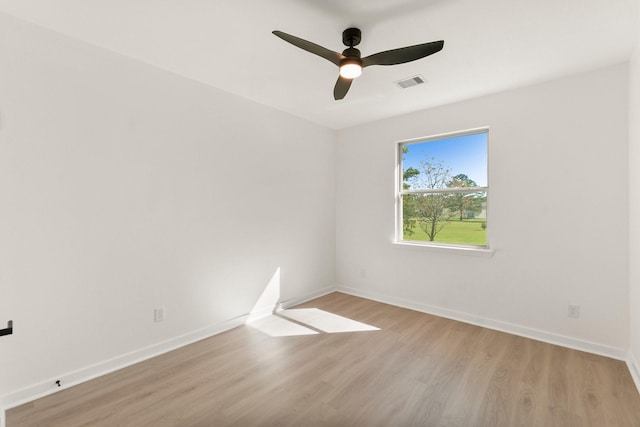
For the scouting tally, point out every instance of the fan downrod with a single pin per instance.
(351, 37)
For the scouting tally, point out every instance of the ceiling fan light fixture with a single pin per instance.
(350, 68)
(351, 61)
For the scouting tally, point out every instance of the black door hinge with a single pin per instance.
(8, 330)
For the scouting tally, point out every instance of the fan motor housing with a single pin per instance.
(351, 52)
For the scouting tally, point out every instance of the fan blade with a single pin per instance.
(341, 88)
(403, 54)
(327, 54)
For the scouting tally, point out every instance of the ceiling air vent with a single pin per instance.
(411, 81)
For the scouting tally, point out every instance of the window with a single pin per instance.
(443, 189)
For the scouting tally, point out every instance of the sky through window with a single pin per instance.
(466, 154)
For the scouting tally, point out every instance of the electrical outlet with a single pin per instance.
(574, 310)
(158, 314)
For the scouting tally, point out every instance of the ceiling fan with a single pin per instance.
(350, 62)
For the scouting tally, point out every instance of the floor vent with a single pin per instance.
(411, 81)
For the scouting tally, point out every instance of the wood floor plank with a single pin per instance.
(415, 370)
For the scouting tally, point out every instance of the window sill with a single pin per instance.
(450, 249)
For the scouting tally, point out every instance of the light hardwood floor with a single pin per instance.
(416, 370)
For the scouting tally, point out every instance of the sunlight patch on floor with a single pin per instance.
(276, 326)
(325, 321)
(307, 321)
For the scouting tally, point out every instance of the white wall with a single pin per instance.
(124, 188)
(558, 214)
(634, 210)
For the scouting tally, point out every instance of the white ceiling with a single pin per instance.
(490, 45)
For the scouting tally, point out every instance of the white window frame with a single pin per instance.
(477, 250)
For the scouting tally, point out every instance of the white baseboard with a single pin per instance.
(536, 334)
(634, 368)
(313, 295)
(70, 379)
